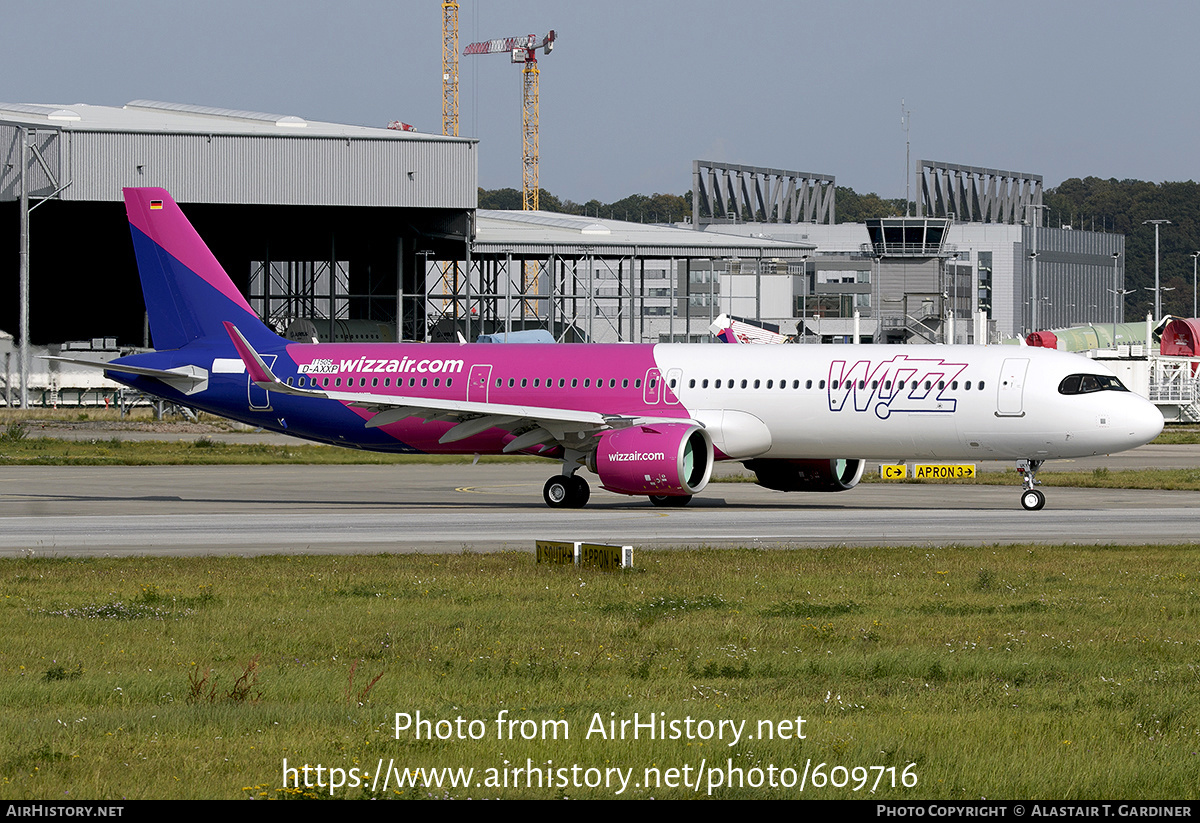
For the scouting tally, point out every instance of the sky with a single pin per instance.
(635, 90)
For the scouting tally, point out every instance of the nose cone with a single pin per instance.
(1145, 422)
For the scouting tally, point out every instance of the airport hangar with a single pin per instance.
(279, 199)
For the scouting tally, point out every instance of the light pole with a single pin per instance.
(1033, 300)
(1033, 254)
(804, 291)
(1194, 256)
(878, 286)
(1117, 294)
(1158, 300)
(1157, 294)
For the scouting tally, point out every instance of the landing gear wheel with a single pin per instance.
(558, 491)
(1031, 498)
(563, 492)
(580, 492)
(671, 500)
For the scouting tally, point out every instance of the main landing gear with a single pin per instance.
(566, 492)
(1031, 498)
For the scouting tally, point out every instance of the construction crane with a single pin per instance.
(524, 50)
(450, 68)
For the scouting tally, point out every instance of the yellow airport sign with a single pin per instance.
(939, 471)
(608, 558)
(556, 551)
(593, 555)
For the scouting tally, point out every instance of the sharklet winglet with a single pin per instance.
(259, 371)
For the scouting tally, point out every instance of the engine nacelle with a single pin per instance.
(807, 475)
(672, 459)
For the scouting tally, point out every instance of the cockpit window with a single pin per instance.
(1088, 383)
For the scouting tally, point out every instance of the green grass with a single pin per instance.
(1177, 436)
(17, 448)
(999, 672)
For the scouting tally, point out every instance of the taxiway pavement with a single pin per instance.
(244, 510)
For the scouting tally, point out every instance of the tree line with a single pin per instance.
(676, 208)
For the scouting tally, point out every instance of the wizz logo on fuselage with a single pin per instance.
(907, 384)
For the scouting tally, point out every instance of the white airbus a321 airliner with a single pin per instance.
(648, 420)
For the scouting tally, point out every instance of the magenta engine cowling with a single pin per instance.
(672, 459)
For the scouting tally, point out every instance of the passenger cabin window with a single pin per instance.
(1088, 383)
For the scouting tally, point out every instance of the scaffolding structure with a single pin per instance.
(584, 280)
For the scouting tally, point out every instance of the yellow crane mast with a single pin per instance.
(450, 68)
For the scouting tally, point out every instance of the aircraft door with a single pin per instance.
(477, 385)
(1010, 392)
(652, 388)
(259, 399)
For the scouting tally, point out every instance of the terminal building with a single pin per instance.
(976, 264)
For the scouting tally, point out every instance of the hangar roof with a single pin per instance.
(540, 233)
(81, 152)
(155, 116)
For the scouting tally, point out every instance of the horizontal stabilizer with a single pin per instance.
(186, 379)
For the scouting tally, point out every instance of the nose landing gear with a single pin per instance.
(1032, 499)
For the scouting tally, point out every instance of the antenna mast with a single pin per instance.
(905, 118)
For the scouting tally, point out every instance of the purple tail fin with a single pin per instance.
(188, 295)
